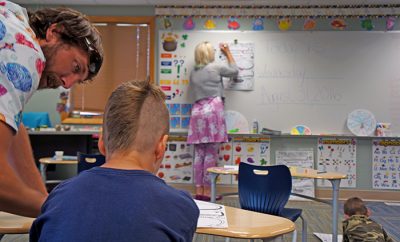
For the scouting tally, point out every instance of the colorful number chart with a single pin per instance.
(338, 155)
(250, 150)
(177, 166)
(386, 164)
(299, 159)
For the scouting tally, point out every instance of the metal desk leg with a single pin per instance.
(335, 208)
(213, 178)
(43, 168)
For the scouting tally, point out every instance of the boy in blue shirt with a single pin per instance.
(123, 200)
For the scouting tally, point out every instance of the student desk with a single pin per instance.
(14, 224)
(333, 177)
(44, 162)
(246, 224)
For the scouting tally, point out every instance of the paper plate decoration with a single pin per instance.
(233, 24)
(338, 24)
(258, 24)
(189, 24)
(390, 22)
(361, 122)
(300, 130)
(309, 24)
(236, 122)
(209, 24)
(367, 24)
(284, 24)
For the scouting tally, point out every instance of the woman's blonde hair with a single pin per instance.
(204, 53)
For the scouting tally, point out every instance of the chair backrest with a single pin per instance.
(87, 161)
(264, 189)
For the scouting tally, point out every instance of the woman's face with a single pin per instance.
(211, 53)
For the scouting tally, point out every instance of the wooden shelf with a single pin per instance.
(82, 121)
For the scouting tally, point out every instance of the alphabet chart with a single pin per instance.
(177, 166)
(337, 155)
(386, 164)
(302, 159)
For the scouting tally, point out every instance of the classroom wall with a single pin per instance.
(364, 145)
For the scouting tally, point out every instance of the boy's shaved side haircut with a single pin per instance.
(135, 117)
(355, 206)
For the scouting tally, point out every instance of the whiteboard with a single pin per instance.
(310, 78)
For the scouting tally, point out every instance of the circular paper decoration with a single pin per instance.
(236, 122)
(338, 24)
(284, 24)
(361, 122)
(300, 130)
(209, 24)
(390, 22)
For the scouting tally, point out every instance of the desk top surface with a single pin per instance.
(50, 160)
(14, 224)
(304, 173)
(250, 225)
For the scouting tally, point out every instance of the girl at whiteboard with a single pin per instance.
(207, 128)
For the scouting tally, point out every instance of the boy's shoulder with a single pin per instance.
(362, 227)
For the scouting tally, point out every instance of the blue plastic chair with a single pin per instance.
(266, 189)
(88, 161)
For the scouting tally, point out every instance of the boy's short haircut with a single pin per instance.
(355, 206)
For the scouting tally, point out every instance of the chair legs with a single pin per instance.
(294, 237)
(304, 229)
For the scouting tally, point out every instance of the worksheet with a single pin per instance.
(212, 215)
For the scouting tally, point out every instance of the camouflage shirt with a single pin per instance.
(359, 228)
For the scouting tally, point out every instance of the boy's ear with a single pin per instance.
(369, 212)
(160, 149)
(101, 146)
(346, 216)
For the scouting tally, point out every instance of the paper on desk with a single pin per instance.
(327, 237)
(231, 167)
(212, 215)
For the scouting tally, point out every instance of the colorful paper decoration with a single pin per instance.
(258, 24)
(338, 24)
(284, 24)
(169, 41)
(390, 23)
(309, 24)
(189, 24)
(233, 23)
(167, 23)
(300, 130)
(367, 24)
(209, 24)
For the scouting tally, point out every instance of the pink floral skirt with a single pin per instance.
(207, 122)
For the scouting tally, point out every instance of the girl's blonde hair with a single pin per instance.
(204, 53)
